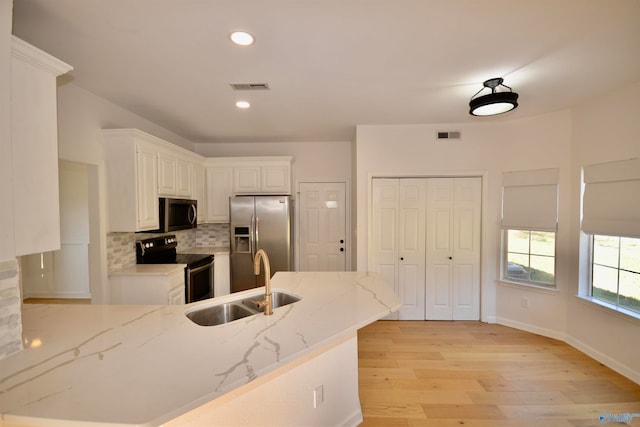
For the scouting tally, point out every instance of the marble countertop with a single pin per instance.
(145, 365)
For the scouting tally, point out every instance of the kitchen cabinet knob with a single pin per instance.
(450, 257)
(341, 241)
(341, 249)
(401, 258)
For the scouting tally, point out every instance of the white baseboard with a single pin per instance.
(354, 420)
(622, 369)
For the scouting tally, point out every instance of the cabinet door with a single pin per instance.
(247, 179)
(176, 296)
(219, 189)
(275, 179)
(146, 171)
(184, 172)
(166, 175)
(34, 146)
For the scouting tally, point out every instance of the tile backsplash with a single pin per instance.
(121, 250)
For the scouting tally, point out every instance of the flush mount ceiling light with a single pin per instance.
(243, 105)
(241, 38)
(495, 102)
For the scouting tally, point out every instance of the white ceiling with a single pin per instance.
(333, 64)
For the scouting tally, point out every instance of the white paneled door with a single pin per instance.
(453, 249)
(425, 241)
(398, 240)
(322, 215)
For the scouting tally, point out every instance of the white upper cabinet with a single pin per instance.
(262, 175)
(132, 176)
(219, 189)
(140, 169)
(175, 176)
(34, 146)
(230, 176)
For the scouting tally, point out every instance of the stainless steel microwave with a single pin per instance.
(177, 214)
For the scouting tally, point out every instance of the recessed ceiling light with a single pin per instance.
(243, 104)
(241, 38)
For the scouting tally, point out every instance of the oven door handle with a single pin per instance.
(199, 269)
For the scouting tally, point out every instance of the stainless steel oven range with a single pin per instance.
(198, 274)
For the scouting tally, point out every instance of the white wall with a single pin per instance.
(486, 148)
(604, 129)
(313, 161)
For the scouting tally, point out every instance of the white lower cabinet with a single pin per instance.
(221, 275)
(148, 288)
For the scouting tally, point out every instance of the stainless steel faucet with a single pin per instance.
(267, 303)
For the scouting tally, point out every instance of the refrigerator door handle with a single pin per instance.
(251, 237)
(257, 233)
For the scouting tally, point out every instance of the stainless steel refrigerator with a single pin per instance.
(259, 222)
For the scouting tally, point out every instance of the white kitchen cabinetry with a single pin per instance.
(34, 146)
(262, 176)
(175, 176)
(219, 189)
(141, 168)
(200, 190)
(221, 275)
(230, 176)
(132, 175)
(147, 288)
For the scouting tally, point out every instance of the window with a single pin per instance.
(529, 221)
(611, 221)
(530, 256)
(615, 271)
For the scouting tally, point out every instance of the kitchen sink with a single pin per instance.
(278, 299)
(220, 314)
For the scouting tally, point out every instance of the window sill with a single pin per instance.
(620, 312)
(527, 286)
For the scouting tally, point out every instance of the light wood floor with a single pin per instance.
(443, 374)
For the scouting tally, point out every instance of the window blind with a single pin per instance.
(530, 200)
(611, 199)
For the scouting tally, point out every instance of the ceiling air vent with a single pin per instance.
(249, 86)
(448, 135)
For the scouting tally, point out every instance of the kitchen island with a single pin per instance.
(150, 365)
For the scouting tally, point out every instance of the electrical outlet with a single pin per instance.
(524, 302)
(318, 396)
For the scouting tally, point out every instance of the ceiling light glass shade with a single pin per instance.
(243, 104)
(241, 38)
(495, 102)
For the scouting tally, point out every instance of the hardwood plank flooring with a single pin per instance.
(414, 373)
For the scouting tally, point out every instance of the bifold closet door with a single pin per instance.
(453, 248)
(398, 240)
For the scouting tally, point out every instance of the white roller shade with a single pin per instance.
(530, 199)
(611, 200)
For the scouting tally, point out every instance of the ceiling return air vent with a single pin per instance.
(249, 86)
(448, 135)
